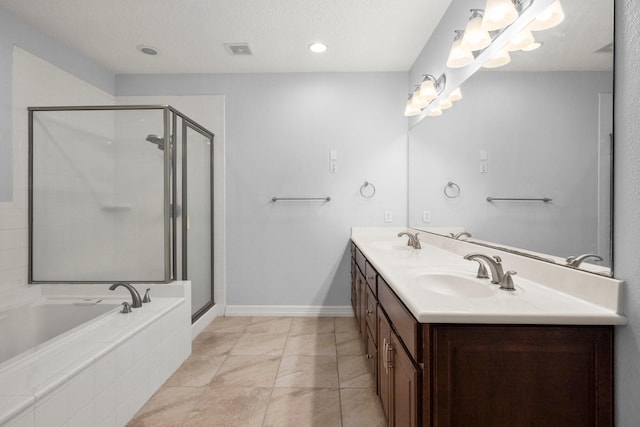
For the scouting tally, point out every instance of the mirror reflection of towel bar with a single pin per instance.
(301, 199)
(543, 199)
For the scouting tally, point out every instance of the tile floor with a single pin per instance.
(266, 371)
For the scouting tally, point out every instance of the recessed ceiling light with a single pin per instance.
(317, 47)
(148, 50)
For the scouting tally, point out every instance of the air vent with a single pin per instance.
(238, 49)
(605, 49)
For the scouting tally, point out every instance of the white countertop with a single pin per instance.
(533, 302)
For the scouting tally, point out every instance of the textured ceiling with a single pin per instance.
(362, 35)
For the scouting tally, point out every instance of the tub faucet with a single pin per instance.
(413, 239)
(459, 235)
(575, 261)
(135, 296)
(494, 263)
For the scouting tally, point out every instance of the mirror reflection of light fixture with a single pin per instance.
(521, 41)
(475, 38)
(445, 104)
(532, 46)
(499, 14)
(428, 89)
(458, 56)
(409, 109)
(549, 18)
(456, 95)
(498, 60)
(434, 112)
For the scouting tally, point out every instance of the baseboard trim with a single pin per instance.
(289, 310)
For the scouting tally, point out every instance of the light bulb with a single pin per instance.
(520, 41)
(458, 56)
(498, 14)
(550, 17)
(456, 95)
(498, 60)
(419, 102)
(475, 38)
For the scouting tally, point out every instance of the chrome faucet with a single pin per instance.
(494, 263)
(575, 261)
(135, 296)
(413, 239)
(459, 235)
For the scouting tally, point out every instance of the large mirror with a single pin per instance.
(538, 128)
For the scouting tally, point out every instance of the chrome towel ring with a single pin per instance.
(367, 190)
(451, 190)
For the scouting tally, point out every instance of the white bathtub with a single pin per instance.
(90, 372)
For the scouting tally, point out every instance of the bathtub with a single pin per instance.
(27, 328)
(75, 360)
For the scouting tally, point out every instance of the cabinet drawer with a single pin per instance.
(360, 259)
(371, 274)
(403, 321)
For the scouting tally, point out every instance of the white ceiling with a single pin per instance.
(362, 35)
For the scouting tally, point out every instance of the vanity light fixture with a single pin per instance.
(428, 88)
(474, 37)
(521, 41)
(532, 46)
(498, 60)
(419, 101)
(445, 104)
(549, 18)
(434, 112)
(456, 95)
(458, 56)
(499, 14)
(410, 109)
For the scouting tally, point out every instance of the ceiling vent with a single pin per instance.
(238, 49)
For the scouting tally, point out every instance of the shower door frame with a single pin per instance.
(170, 115)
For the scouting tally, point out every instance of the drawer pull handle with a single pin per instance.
(369, 311)
(389, 355)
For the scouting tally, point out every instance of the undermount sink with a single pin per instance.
(455, 285)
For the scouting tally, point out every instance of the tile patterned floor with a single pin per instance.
(266, 371)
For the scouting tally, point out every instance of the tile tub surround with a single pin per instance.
(548, 293)
(103, 373)
(314, 374)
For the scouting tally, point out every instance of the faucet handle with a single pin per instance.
(147, 297)
(506, 284)
(126, 308)
(482, 270)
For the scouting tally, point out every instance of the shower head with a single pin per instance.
(155, 139)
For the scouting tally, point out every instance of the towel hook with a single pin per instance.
(452, 190)
(367, 194)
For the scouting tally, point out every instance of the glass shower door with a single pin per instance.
(197, 230)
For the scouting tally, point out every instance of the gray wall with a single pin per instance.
(279, 131)
(14, 31)
(627, 208)
(532, 125)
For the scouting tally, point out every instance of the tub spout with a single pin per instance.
(135, 296)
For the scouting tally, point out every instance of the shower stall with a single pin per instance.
(121, 194)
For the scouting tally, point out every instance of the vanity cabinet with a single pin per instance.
(475, 374)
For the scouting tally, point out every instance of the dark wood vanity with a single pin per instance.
(479, 374)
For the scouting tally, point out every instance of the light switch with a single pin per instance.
(484, 167)
(333, 154)
(333, 167)
(426, 216)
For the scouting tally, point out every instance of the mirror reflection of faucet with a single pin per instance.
(575, 261)
(460, 235)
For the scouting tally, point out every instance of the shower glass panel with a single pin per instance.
(197, 176)
(97, 196)
(120, 193)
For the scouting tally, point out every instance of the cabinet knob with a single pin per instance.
(369, 356)
(369, 311)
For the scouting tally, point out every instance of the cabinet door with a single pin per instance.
(404, 386)
(358, 300)
(371, 304)
(363, 306)
(384, 337)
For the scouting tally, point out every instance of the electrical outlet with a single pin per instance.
(484, 167)
(388, 216)
(426, 216)
(333, 167)
(333, 154)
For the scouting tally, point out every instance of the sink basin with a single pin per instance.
(455, 285)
